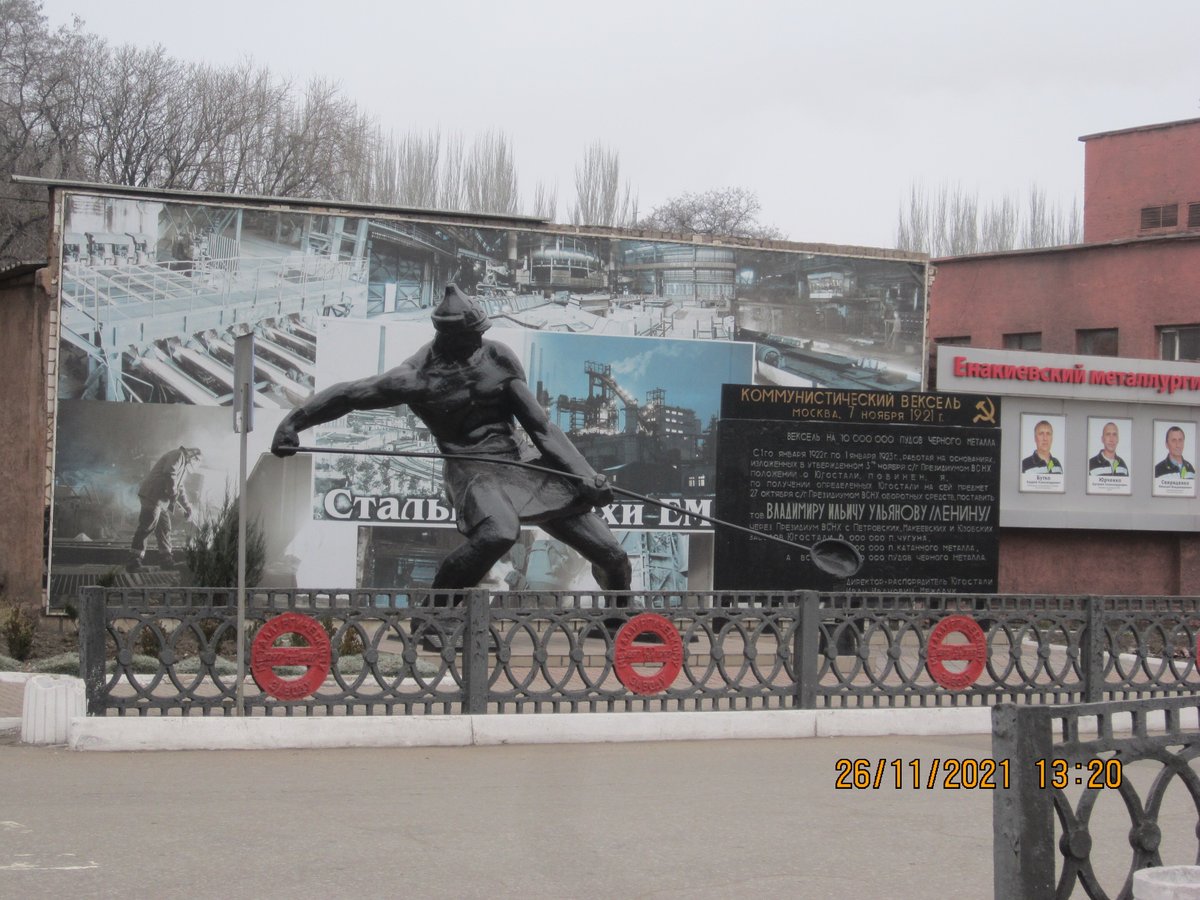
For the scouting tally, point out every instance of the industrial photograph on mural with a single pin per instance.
(825, 321)
(818, 320)
(625, 343)
(641, 412)
(134, 483)
(402, 558)
(154, 293)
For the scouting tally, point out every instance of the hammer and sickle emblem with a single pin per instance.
(987, 411)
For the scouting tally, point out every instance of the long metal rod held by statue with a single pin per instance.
(831, 555)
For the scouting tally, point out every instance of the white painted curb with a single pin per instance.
(270, 733)
(266, 733)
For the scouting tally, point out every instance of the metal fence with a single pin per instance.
(160, 651)
(1058, 762)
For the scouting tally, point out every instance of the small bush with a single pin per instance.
(148, 643)
(212, 555)
(389, 665)
(141, 665)
(8, 664)
(351, 644)
(108, 579)
(192, 666)
(62, 664)
(18, 629)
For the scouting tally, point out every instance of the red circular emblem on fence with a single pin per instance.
(669, 653)
(973, 652)
(264, 656)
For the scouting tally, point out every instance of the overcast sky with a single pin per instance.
(829, 111)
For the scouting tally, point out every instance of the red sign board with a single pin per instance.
(973, 652)
(668, 653)
(264, 656)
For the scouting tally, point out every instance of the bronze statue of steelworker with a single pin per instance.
(469, 391)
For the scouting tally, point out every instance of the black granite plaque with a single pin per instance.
(919, 499)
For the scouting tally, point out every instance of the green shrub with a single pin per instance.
(141, 665)
(351, 644)
(212, 554)
(8, 664)
(390, 665)
(62, 664)
(191, 666)
(148, 643)
(18, 628)
(107, 579)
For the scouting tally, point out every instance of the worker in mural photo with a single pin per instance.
(1107, 462)
(159, 493)
(471, 392)
(1173, 465)
(1042, 460)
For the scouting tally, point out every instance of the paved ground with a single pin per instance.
(712, 819)
(12, 696)
(651, 820)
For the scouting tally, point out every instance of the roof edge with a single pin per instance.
(478, 219)
(1069, 248)
(264, 199)
(1155, 127)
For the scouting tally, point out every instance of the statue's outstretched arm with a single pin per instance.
(376, 392)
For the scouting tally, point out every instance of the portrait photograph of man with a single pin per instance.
(1108, 469)
(1045, 438)
(1174, 473)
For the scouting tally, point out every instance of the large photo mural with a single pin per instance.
(625, 343)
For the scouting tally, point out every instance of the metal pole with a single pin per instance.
(241, 579)
(243, 423)
(806, 649)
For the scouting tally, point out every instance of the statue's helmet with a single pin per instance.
(459, 313)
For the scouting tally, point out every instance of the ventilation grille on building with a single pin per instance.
(1193, 215)
(1160, 216)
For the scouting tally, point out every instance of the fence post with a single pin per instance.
(1023, 849)
(1091, 649)
(806, 649)
(475, 671)
(92, 628)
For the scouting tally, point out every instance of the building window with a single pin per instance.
(1160, 216)
(1193, 215)
(1024, 340)
(1179, 342)
(1096, 341)
(961, 341)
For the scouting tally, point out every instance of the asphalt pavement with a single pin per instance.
(705, 819)
(682, 819)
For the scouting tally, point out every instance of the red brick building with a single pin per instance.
(1132, 289)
